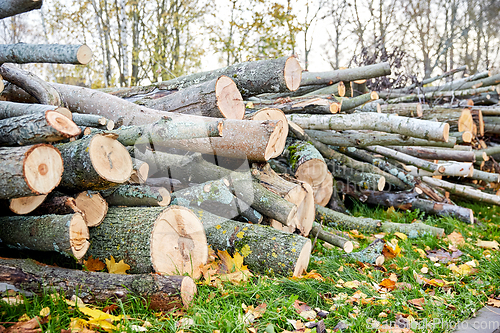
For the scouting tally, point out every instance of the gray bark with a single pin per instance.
(350, 74)
(134, 195)
(52, 53)
(14, 7)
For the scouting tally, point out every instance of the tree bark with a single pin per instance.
(451, 169)
(29, 171)
(161, 292)
(371, 138)
(217, 98)
(66, 234)
(53, 53)
(350, 74)
(487, 177)
(14, 7)
(151, 239)
(403, 109)
(308, 106)
(58, 204)
(330, 238)
(32, 84)
(252, 77)
(364, 180)
(412, 127)
(337, 89)
(91, 120)
(50, 126)
(432, 153)
(136, 195)
(94, 162)
(306, 162)
(441, 94)
(272, 114)
(348, 104)
(11, 109)
(405, 158)
(443, 209)
(265, 250)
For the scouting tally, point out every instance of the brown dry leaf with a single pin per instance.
(30, 326)
(94, 265)
(388, 284)
(494, 302)
(492, 245)
(403, 286)
(456, 238)
(391, 249)
(116, 268)
(356, 234)
(301, 306)
(256, 312)
(309, 276)
(110, 308)
(418, 303)
(434, 282)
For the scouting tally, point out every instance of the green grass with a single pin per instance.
(221, 308)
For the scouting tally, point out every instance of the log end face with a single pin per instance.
(178, 243)
(341, 89)
(348, 247)
(312, 172)
(26, 205)
(43, 168)
(79, 236)
(420, 111)
(446, 132)
(277, 141)
(292, 73)
(381, 184)
(324, 192)
(467, 136)
(110, 159)
(166, 198)
(188, 291)
(62, 123)
(93, 206)
(229, 99)
(303, 259)
(84, 55)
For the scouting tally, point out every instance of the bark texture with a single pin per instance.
(14, 7)
(22, 53)
(136, 195)
(350, 74)
(11, 109)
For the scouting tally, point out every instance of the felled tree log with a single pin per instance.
(136, 195)
(58, 204)
(487, 177)
(306, 162)
(297, 192)
(10, 109)
(309, 106)
(441, 94)
(265, 250)
(140, 172)
(372, 138)
(432, 153)
(50, 126)
(353, 102)
(28, 171)
(463, 191)
(94, 162)
(423, 129)
(403, 109)
(272, 114)
(66, 234)
(92, 120)
(337, 89)
(405, 158)
(21, 53)
(161, 292)
(459, 120)
(371, 254)
(32, 84)
(93, 206)
(338, 220)
(166, 129)
(453, 86)
(330, 238)
(399, 199)
(252, 77)
(443, 209)
(350, 74)
(14, 7)
(26, 205)
(218, 98)
(435, 78)
(324, 191)
(151, 239)
(364, 180)
(451, 169)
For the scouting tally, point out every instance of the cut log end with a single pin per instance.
(110, 159)
(380, 260)
(381, 184)
(93, 206)
(341, 89)
(446, 132)
(324, 192)
(467, 136)
(374, 95)
(348, 247)
(84, 54)
(26, 205)
(65, 112)
(166, 198)
(229, 99)
(420, 112)
(277, 141)
(178, 243)
(2, 86)
(379, 108)
(188, 290)
(313, 172)
(110, 125)
(280, 135)
(302, 196)
(43, 168)
(292, 73)
(303, 259)
(141, 173)
(79, 236)
(62, 123)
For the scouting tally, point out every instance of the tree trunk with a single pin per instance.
(56, 54)
(10, 109)
(161, 292)
(252, 77)
(217, 98)
(309, 106)
(66, 234)
(93, 206)
(58, 204)
(441, 94)
(459, 119)
(364, 180)
(451, 169)
(140, 172)
(349, 104)
(265, 250)
(91, 120)
(412, 127)
(487, 177)
(28, 171)
(136, 195)
(350, 74)
(330, 238)
(94, 162)
(50, 126)
(432, 153)
(492, 80)
(32, 84)
(371, 138)
(443, 209)
(306, 163)
(403, 109)
(14, 7)
(151, 239)
(337, 89)
(408, 159)
(297, 192)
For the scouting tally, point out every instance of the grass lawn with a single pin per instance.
(349, 291)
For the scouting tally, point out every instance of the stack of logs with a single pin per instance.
(256, 158)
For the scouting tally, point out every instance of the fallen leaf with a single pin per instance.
(30, 326)
(230, 264)
(45, 312)
(352, 284)
(110, 308)
(75, 301)
(94, 265)
(403, 286)
(137, 328)
(434, 282)
(388, 284)
(463, 270)
(418, 303)
(309, 276)
(494, 302)
(391, 249)
(492, 245)
(24, 317)
(444, 256)
(456, 238)
(391, 212)
(301, 306)
(401, 236)
(116, 268)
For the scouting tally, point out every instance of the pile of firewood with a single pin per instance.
(257, 157)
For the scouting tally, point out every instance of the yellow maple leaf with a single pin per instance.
(401, 235)
(99, 319)
(94, 265)
(231, 264)
(464, 269)
(116, 268)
